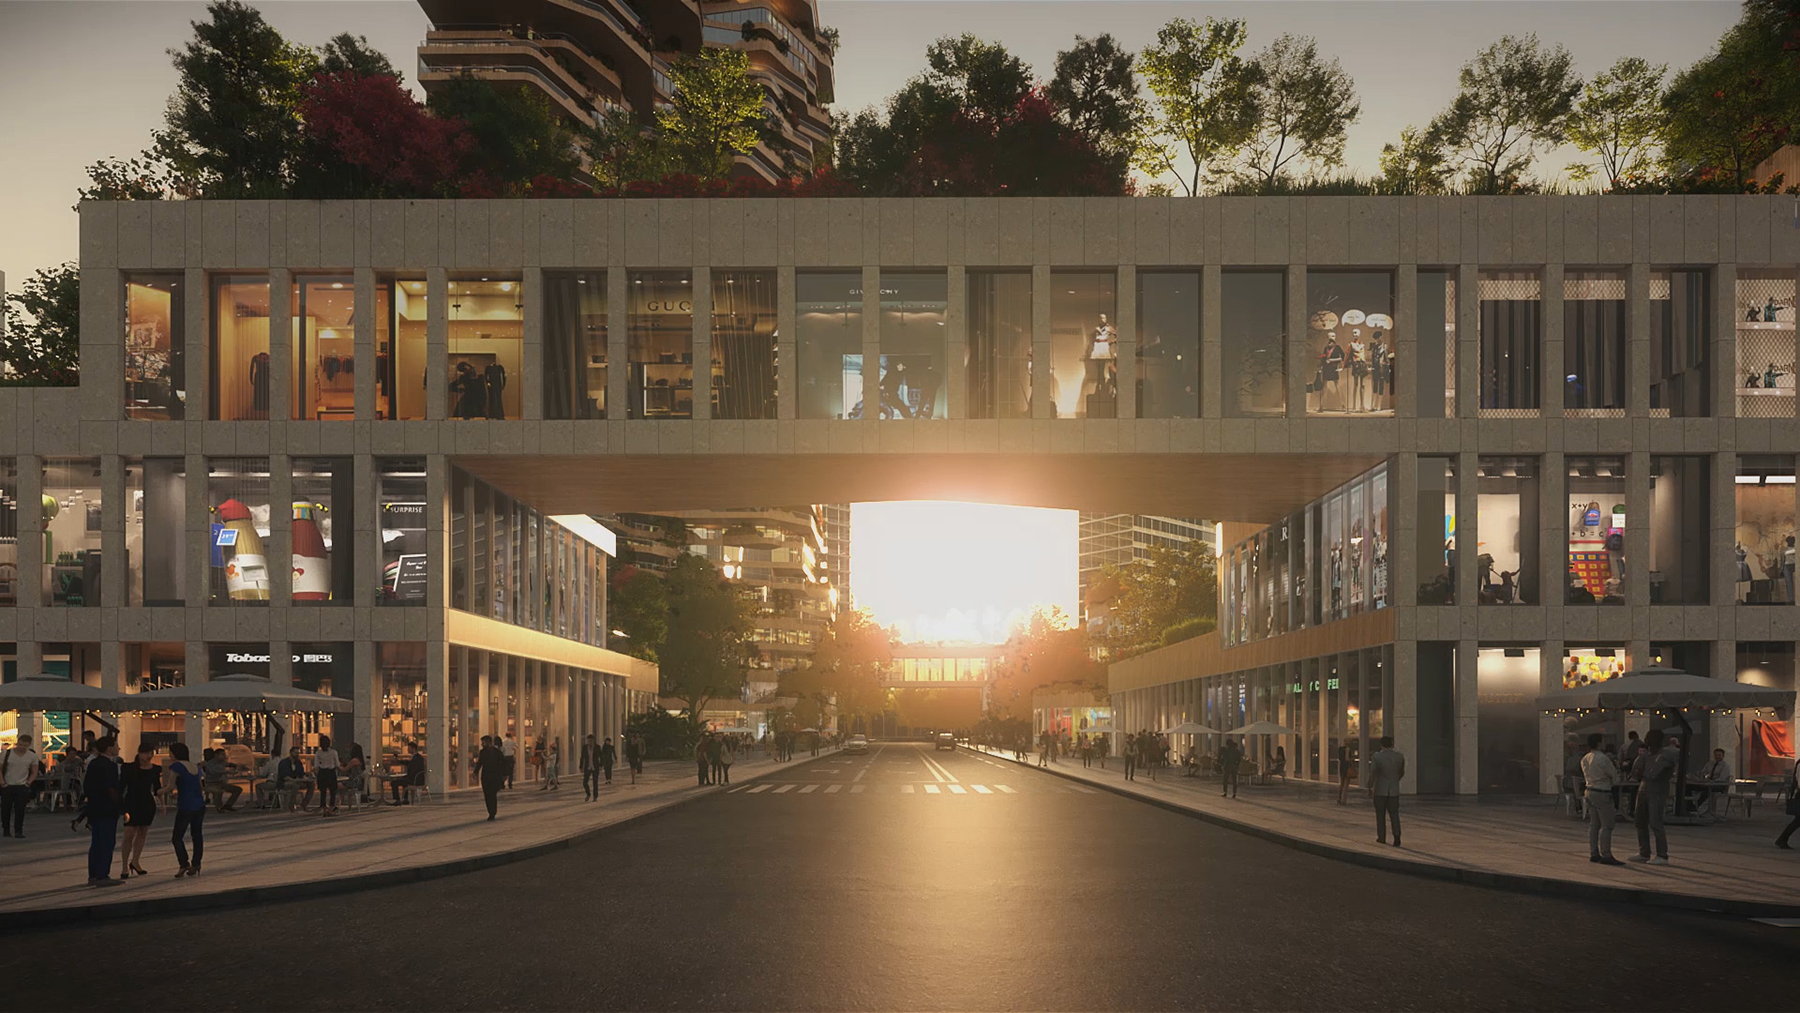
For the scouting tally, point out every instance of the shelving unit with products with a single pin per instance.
(1764, 312)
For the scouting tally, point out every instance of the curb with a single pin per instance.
(1541, 886)
(253, 895)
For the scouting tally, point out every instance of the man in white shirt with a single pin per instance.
(1601, 776)
(1714, 780)
(510, 750)
(18, 768)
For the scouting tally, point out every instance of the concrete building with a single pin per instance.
(1414, 518)
(596, 55)
(1110, 541)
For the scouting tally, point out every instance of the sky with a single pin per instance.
(963, 572)
(85, 79)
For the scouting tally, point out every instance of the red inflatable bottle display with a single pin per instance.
(312, 566)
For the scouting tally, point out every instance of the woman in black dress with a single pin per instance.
(139, 784)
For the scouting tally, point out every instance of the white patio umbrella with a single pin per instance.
(1665, 689)
(36, 693)
(248, 694)
(1191, 728)
(1262, 728)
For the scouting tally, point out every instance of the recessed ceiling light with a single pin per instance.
(337, 284)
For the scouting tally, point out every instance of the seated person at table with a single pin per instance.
(294, 769)
(215, 779)
(1278, 766)
(1191, 759)
(415, 775)
(1716, 780)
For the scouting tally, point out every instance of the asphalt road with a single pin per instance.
(911, 879)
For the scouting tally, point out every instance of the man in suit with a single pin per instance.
(492, 768)
(1231, 755)
(1386, 769)
(590, 768)
(100, 785)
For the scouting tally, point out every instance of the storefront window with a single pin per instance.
(238, 496)
(487, 339)
(1765, 530)
(1335, 561)
(1350, 342)
(324, 348)
(324, 565)
(660, 345)
(1168, 348)
(1253, 347)
(1506, 688)
(154, 666)
(401, 506)
(1435, 549)
(1506, 514)
(1585, 666)
(1436, 347)
(914, 346)
(155, 347)
(1680, 333)
(1379, 595)
(1680, 531)
(1594, 344)
(1084, 345)
(401, 685)
(240, 367)
(9, 532)
(1512, 331)
(575, 345)
(72, 531)
(999, 344)
(1765, 344)
(829, 342)
(400, 323)
(1596, 508)
(156, 531)
(743, 345)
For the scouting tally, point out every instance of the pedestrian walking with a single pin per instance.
(1655, 765)
(493, 769)
(140, 782)
(509, 751)
(1231, 756)
(1793, 809)
(607, 755)
(190, 810)
(18, 769)
(634, 754)
(100, 786)
(325, 770)
(1343, 759)
(1087, 752)
(590, 769)
(1386, 768)
(1600, 788)
(1130, 757)
(537, 761)
(703, 759)
(553, 764)
(727, 756)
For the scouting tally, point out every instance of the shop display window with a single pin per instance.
(155, 347)
(324, 551)
(743, 345)
(324, 348)
(660, 345)
(1436, 346)
(1168, 345)
(829, 344)
(1253, 343)
(1596, 521)
(1084, 345)
(156, 556)
(1350, 343)
(1435, 549)
(1680, 530)
(240, 368)
(154, 666)
(1764, 740)
(1764, 313)
(9, 532)
(237, 493)
(460, 493)
(72, 524)
(914, 344)
(1512, 343)
(1506, 518)
(1765, 530)
(1594, 355)
(400, 683)
(400, 508)
(999, 344)
(401, 319)
(1586, 666)
(1680, 340)
(575, 345)
(487, 340)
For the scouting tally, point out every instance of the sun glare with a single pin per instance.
(960, 572)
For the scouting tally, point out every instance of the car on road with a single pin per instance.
(858, 743)
(945, 740)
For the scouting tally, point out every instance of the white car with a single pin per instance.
(944, 740)
(858, 743)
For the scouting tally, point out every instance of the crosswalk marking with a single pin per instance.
(906, 789)
(832, 789)
(785, 787)
(761, 787)
(957, 789)
(981, 789)
(856, 789)
(809, 788)
(733, 791)
(1005, 789)
(932, 789)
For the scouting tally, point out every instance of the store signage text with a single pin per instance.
(239, 658)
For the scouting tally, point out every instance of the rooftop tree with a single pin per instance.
(1304, 106)
(1620, 121)
(351, 54)
(1096, 94)
(518, 136)
(1515, 100)
(1203, 108)
(1732, 109)
(716, 112)
(1416, 164)
(366, 137)
(40, 342)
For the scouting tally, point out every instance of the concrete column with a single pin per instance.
(1637, 530)
(1128, 341)
(956, 326)
(199, 538)
(1468, 342)
(618, 326)
(437, 343)
(1637, 343)
(1468, 715)
(364, 344)
(1722, 729)
(1042, 407)
(281, 346)
(1403, 530)
(1550, 726)
(1467, 469)
(1295, 321)
(114, 675)
(31, 541)
(198, 671)
(1212, 329)
(197, 342)
(1403, 722)
(1404, 340)
(279, 548)
(871, 345)
(531, 394)
(113, 504)
(1722, 521)
(365, 718)
(1553, 534)
(1551, 383)
(787, 379)
(363, 520)
(700, 291)
(437, 714)
(1722, 322)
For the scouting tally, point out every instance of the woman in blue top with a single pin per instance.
(190, 808)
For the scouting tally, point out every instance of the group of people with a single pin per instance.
(113, 791)
(1649, 765)
(713, 756)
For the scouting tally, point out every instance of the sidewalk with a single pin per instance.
(1524, 845)
(254, 856)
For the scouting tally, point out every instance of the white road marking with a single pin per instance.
(857, 789)
(957, 789)
(832, 789)
(1780, 923)
(981, 789)
(761, 787)
(907, 789)
(808, 789)
(938, 770)
(932, 789)
(1005, 789)
(785, 787)
(1083, 790)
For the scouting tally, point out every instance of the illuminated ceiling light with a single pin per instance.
(337, 284)
(506, 286)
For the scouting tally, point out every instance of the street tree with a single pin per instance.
(352, 54)
(1045, 649)
(846, 667)
(40, 342)
(233, 128)
(1096, 94)
(637, 606)
(1202, 109)
(1514, 100)
(1304, 106)
(706, 648)
(1620, 121)
(716, 112)
(1416, 164)
(1170, 586)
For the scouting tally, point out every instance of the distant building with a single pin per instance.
(837, 552)
(1113, 540)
